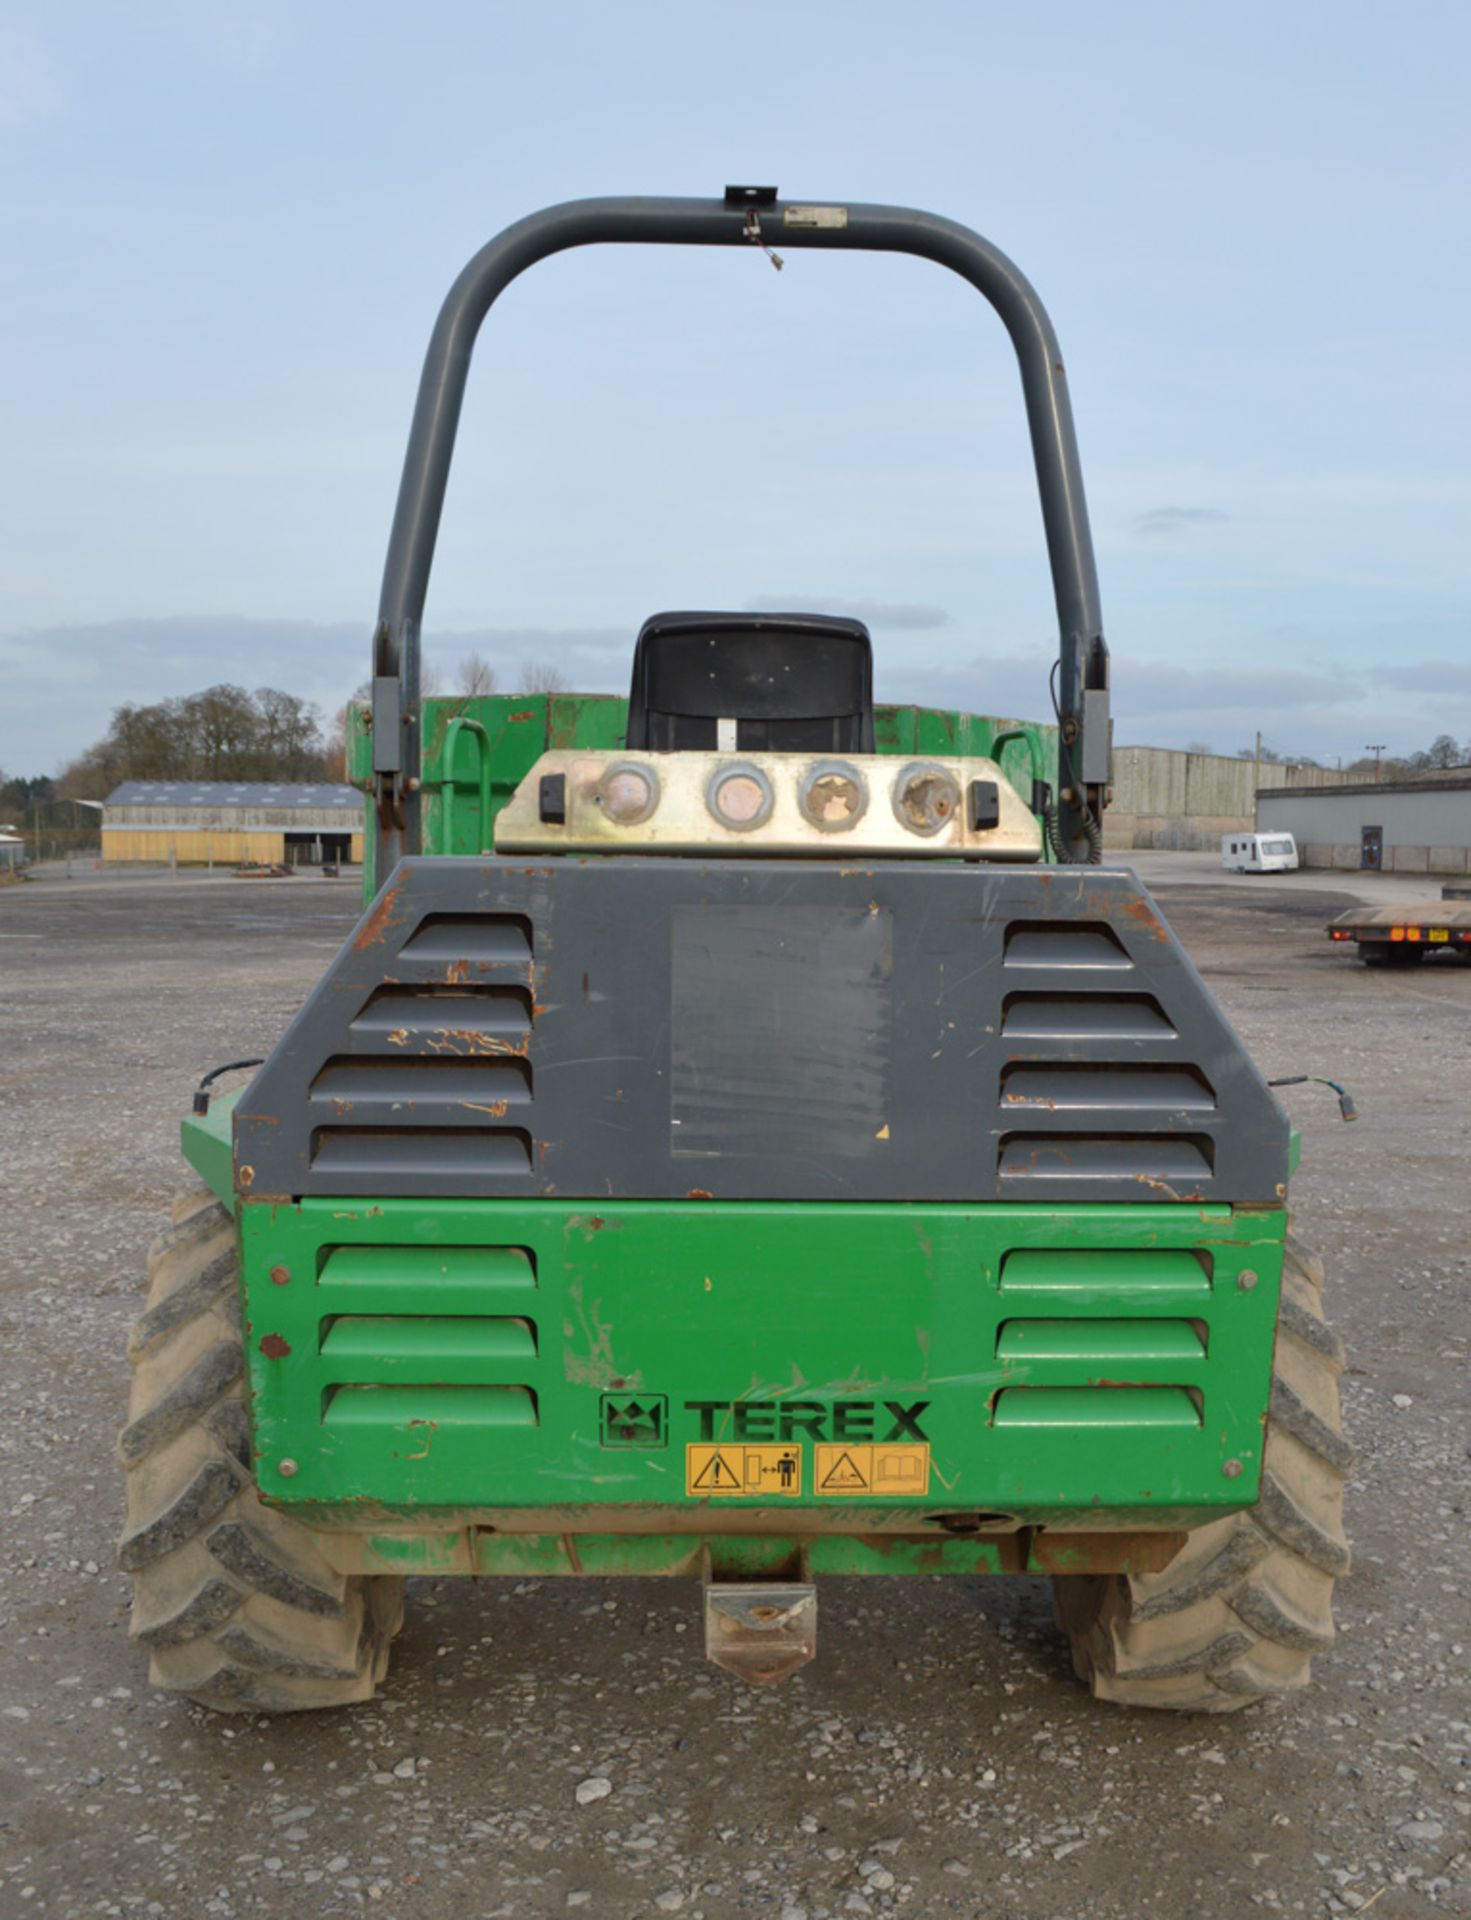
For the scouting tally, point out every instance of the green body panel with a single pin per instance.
(511, 732)
(207, 1143)
(735, 1556)
(1094, 1367)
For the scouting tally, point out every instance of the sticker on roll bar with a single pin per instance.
(814, 216)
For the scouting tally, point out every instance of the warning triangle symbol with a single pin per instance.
(718, 1473)
(845, 1472)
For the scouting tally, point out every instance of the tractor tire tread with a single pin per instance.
(236, 1606)
(186, 1510)
(217, 1370)
(241, 1551)
(190, 1612)
(1239, 1612)
(1296, 1417)
(1296, 1529)
(1301, 1257)
(1298, 1320)
(1238, 1552)
(186, 1205)
(185, 1303)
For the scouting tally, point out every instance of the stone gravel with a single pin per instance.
(546, 1747)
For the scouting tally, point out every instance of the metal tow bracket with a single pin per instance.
(761, 1632)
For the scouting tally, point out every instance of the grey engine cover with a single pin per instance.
(766, 1030)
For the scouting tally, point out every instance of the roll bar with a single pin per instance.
(745, 216)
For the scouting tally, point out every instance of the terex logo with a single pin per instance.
(786, 1419)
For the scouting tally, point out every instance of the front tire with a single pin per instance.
(1240, 1611)
(236, 1606)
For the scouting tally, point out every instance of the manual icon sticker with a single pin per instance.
(886, 1471)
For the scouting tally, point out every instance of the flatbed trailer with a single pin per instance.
(1402, 933)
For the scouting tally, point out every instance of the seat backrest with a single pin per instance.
(790, 682)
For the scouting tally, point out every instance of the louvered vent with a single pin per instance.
(471, 940)
(435, 1080)
(1089, 946)
(1083, 1015)
(1110, 1338)
(413, 1339)
(1092, 1088)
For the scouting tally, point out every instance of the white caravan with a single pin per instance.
(1258, 852)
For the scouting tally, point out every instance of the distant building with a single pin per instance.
(1400, 826)
(197, 822)
(1163, 798)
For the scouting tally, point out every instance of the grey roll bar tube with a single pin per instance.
(745, 217)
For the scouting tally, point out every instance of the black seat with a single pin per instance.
(792, 683)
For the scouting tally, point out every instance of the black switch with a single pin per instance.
(552, 801)
(984, 805)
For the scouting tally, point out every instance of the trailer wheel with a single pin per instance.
(237, 1608)
(1242, 1608)
(1379, 954)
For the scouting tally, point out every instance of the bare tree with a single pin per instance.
(1442, 753)
(1199, 746)
(223, 733)
(338, 731)
(476, 675)
(1387, 766)
(289, 734)
(539, 676)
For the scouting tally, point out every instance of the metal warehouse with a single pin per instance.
(198, 822)
(1401, 826)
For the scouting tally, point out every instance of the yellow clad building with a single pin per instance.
(226, 823)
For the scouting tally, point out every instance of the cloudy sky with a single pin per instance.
(225, 230)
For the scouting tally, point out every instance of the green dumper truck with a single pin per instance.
(750, 1135)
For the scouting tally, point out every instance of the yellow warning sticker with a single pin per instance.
(884, 1470)
(735, 1470)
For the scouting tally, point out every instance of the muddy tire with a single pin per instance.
(1242, 1608)
(235, 1605)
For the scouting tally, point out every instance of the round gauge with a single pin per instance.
(926, 798)
(740, 797)
(833, 796)
(628, 793)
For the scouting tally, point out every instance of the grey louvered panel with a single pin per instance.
(774, 1029)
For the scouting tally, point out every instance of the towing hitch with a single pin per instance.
(763, 1631)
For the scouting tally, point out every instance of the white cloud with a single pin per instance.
(62, 683)
(1168, 520)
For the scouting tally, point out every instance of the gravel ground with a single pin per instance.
(555, 1747)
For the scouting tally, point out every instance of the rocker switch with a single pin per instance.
(552, 800)
(984, 806)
